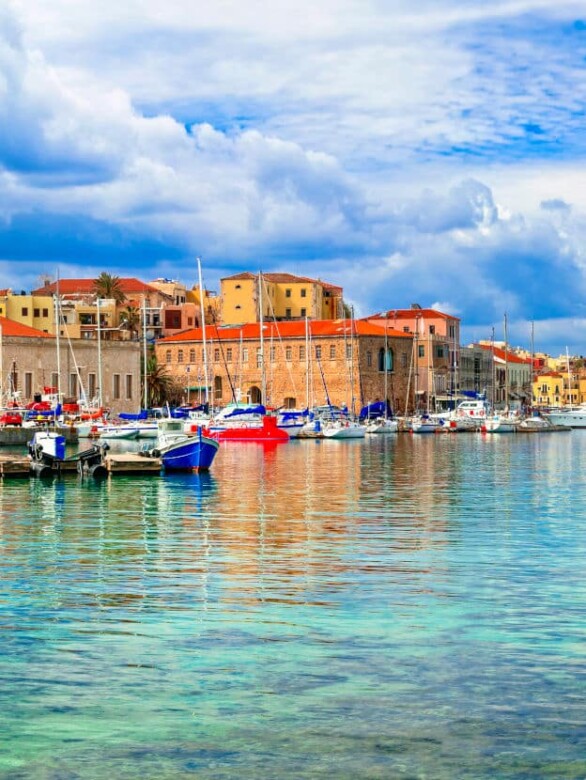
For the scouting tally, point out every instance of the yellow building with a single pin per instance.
(35, 311)
(557, 388)
(284, 297)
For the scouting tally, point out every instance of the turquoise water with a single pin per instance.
(400, 607)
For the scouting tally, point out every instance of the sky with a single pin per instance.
(430, 152)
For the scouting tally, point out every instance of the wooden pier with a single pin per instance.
(124, 463)
(132, 463)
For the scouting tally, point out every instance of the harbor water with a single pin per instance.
(397, 607)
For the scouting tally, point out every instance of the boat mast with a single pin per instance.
(263, 381)
(386, 366)
(58, 341)
(144, 355)
(99, 337)
(307, 363)
(569, 379)
(506, 367)
(203, 332)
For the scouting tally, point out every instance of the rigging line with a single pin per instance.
(77, 371)
(224, 361)
(276, 324)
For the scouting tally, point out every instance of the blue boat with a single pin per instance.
(180, 451)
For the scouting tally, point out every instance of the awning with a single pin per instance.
(196, 387)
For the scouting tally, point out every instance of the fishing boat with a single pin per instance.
(184, 452)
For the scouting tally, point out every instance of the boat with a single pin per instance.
(266, 430)
(574, 417)
(117, 432)
(538, 424)
(501, 423)
(382, 425)
(425, 424)
(184, 452)
(343, 429)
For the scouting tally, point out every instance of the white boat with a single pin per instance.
(425, 425)
(118, 432)
(343, 429)
(538, 424)
(572, 417)
(501, 423)
(382, 425)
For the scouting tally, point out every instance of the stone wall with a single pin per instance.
(31, 364)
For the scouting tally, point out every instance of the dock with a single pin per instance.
(132, 463)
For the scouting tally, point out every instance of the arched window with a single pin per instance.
(255, 395)
(385, 363)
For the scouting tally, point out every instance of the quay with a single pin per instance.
(125, 463)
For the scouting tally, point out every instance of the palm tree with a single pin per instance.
(108, 286)
(162, 388)
(130, 319)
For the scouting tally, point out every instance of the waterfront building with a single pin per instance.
(436, 345)
(475, 371)
(30, 363)
(284, 297)
(79, 308)
(294, 364)
(513, 376)
(29, 309)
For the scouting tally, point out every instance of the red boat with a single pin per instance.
(267, 431)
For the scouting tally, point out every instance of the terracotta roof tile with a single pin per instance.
(286, 329)
(128, 285)
(13, 328)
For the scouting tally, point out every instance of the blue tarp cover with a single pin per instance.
(142, 415)
(377, 409)
(247, 410)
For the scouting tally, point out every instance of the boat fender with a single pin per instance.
(481, 412)
(155, 453)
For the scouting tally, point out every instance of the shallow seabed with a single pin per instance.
(400, 607)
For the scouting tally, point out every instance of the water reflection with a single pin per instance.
(401, 606)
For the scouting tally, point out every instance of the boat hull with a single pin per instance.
(196, 453)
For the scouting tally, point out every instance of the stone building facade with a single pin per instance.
(294, 365)
(30, 363)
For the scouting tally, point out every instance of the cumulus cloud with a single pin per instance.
(428, 154)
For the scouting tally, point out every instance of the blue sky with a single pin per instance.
(429, 152)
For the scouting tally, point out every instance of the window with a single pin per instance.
(369, 358)
(288, 313)
(216, 355)
(229, 354)
(238, 306)
(73, 385)
(45, 312)
(168, 356)
(421, 351)
(190, 322)
(272, 354)
(28, 384)
(258, 358)
(116, 386)
(55, 381)
(318, 351)
(452, 331)
(301, 353)
(245, 355)
(128, 386)
(303, 292)
(288, 292)
(303, 312)
(24, 311)
(431, 330)
(439, 351)
(180, 356)
(405, 328)
(289, 353)
(218, 388)
(332, 351)
(192, 356)
(348, 350)
(36, 313)
(91, 382)
(238, 287)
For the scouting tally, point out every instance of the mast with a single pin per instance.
(1, 369)
(352, 396)
(58, 341)
(569, 379)
(493, 373)
(203, 332)
(506, 367)
(306, 363)
(145, 389)
(99, 333)
(263, 381)
(386, 366)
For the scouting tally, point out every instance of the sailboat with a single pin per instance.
(503, 422)
(377, 415)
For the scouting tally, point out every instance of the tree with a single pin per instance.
(130, 319)
(108, 286)
(162, 388)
